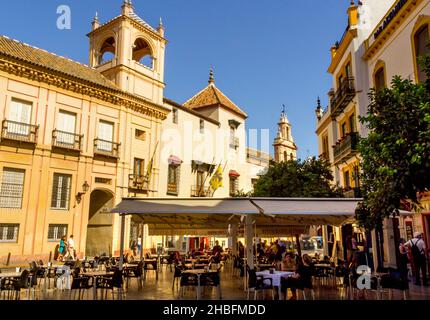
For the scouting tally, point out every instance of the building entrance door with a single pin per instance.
(100, 224)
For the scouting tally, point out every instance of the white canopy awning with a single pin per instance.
(211, 213)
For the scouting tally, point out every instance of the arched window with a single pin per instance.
(142, 53)
(107, 51)
(379, 79)
(285, 156)
(291, 157)
(420, 39)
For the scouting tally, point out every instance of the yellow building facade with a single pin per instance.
(70, 137)
(382, 39)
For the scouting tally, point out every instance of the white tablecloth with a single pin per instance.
(276, 277)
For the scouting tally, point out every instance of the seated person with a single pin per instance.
(302, 277)
(289, 263)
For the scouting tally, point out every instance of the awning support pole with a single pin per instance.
(121, 244)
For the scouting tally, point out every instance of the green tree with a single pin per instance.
(396, 154)
(311, 178)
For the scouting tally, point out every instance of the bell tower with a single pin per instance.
(130, 53)
(285, 148)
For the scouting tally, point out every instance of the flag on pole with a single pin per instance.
(216, 180)
(151, 165)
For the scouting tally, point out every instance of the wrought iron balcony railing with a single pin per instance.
(234, 143)
(67, 140)
(106, 148)
(342, 97)
(352, 193)
(346, 147)
(172, 188)
(138, 182)
(200, 191)
(18, 131)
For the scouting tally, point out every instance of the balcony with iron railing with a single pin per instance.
(342, 97)
(172, 189)
(234, 143)
(138, 182)
(352, 192)
(200, 191)
(106, 148)
(18, 131)
(67, 141)
(325, 156)
(346, 147)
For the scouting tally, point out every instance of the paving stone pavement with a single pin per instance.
(232, 287)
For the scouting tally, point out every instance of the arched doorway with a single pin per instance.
(100, 224)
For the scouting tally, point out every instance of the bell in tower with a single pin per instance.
(130, 53)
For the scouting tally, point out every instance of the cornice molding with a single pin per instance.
(394, 25)
(134, 23)
(28, 71)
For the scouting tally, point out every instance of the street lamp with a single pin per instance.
(85, 188)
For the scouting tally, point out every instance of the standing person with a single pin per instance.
(418, 249)
(62, 249)
(404, 260)
(216, 252)
(71, 247)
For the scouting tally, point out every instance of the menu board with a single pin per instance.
(409, 230)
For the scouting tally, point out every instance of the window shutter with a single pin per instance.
(12, 188)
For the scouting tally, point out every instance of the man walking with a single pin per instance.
(419, 250)
(71, 247)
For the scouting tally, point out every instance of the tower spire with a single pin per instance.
(211, 76)
(127, 7)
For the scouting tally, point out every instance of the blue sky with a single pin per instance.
(265, 53)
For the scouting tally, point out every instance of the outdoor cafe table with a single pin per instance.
(198, 273)
(276, 278)
(10, 275)
(95, 275)
(264, 266)
(326, 267)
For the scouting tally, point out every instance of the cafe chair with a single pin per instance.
(187, 281)
(134, 272)
(80, 285)
(393, 281)
(176, 276)
(259, 283)
(111, 283)
(14, 286)
(150, 266)
(211, 280)
(303, 286)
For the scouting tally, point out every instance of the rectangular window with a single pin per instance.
(233, 186)
(105, 136)
(139, 167)
(347, 180)
(175, 115)
(20, 114)
(348, 72)
(56, 232)
(66, 124)
(9, 232)
(12, 187)
(343, 129)
(140, 135)
(352, 123)
(61, 191)
(202, 126)
(173, 179)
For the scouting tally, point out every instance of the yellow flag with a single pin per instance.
(151, 165)
(216, 180)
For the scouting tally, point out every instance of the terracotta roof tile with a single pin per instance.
(24, 52)
(211, 95)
